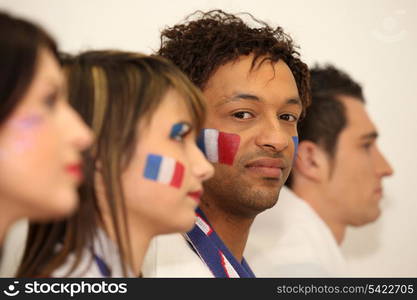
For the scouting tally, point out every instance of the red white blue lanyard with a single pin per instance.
(214, 252)
(102, 266)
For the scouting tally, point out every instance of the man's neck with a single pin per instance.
(338, 231)
(315, 199)
(233, 230)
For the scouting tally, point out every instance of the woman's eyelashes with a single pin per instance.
(180, 130)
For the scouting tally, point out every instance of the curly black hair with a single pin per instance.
(198, 47)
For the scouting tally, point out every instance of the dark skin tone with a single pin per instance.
(262, 106)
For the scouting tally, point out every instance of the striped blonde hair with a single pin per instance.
(112, 91)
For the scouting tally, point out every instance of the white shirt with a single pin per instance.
(171, 256)
(291, 240)
(105, 248)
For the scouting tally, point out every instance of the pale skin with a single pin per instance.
(40, 150)
(347, 189)
(156, 208)
(262, 106)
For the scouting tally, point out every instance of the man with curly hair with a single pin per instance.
(336, 182)
(257, 89)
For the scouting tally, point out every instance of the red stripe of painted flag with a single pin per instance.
(228, 147)
(176, 180)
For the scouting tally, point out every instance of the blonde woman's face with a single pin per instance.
(40, 145)
(163, 182)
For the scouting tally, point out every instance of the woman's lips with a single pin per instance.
(75, 170)
(196, 195)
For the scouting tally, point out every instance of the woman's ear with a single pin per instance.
(311, 162)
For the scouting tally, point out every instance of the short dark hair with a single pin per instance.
(199, 47)
(20, 42)
(325, 117)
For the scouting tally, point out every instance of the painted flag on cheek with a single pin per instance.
(219, 147)
(295, 140)
(164, 170)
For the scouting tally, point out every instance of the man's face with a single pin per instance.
(262, 106)
(355, 182)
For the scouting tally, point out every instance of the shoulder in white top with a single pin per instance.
(291, 240)
(171, 256)
(104, 248)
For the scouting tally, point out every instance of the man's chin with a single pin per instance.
(372, 216)
(267, 184)
(272, 181)
(242, 192)
(264, 189)
(265, 196)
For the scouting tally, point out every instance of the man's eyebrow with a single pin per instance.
(238, 97)
(252, 97)
(295, 100)
(246, 96)
(369, 136)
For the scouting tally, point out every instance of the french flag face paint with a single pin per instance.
(178, 130)
(24, 136)
(164, 170)
(219, 147)
(28, 122)
(295, 141)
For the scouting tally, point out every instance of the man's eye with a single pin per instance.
(288, 117)
(243, 115)
(367, 146)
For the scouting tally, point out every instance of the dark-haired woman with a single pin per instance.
(41, 136)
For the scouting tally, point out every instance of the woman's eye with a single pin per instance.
(243, 115)
(51, 100)
(179, 138)
(288, 117)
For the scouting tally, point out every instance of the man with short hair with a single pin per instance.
(257, 89)
(336, 182)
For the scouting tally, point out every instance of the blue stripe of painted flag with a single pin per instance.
(176, 129)
(295, 140)
(200, 142)
(153, 164)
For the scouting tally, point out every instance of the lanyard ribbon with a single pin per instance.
(214, 252)
(102, 266)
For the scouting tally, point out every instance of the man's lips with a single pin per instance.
(379, 191)
(196, 195)
(267, 167)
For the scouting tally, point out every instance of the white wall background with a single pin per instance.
(373, 40)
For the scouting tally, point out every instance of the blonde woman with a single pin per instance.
(144, 173)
